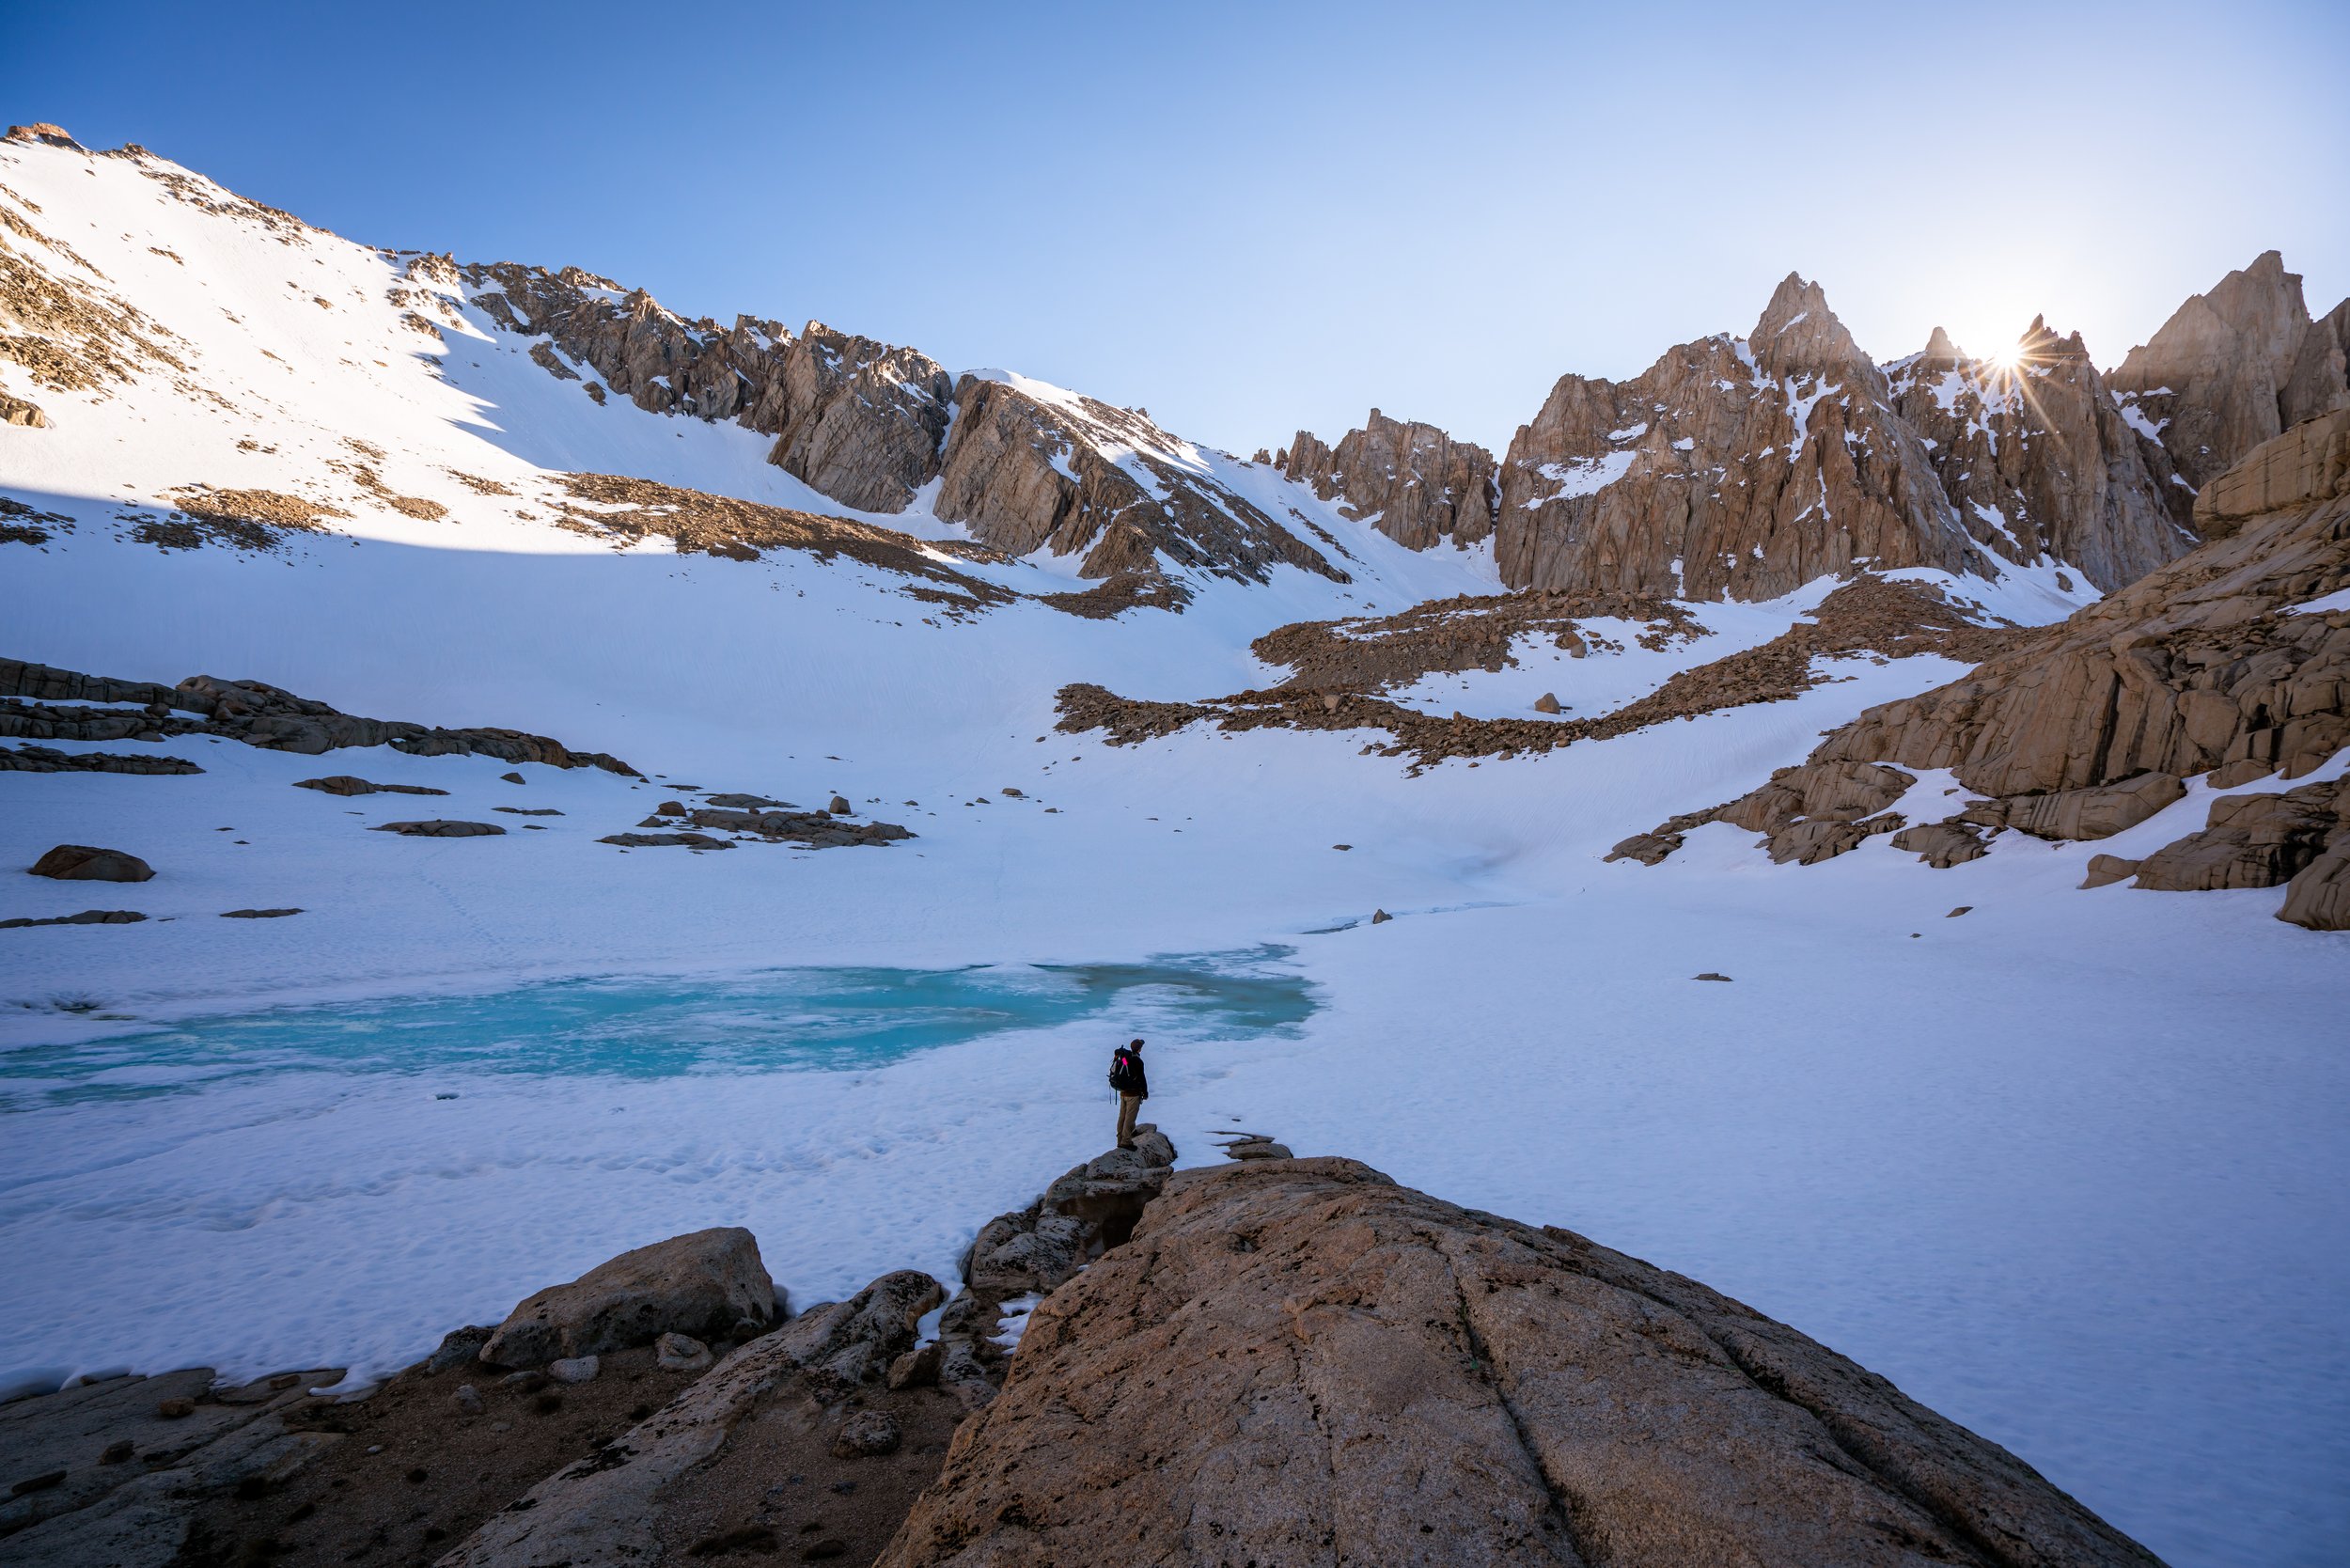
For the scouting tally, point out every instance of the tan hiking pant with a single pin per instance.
(1129, 1107)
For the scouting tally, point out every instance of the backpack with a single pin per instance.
(1124, 1077)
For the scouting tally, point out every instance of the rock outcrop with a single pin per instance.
(2209, 382)
(1273, 1360)
(1299, 1362)
(42, 758)
(703, 1284)
(133, 1455)
(1411, 482)
(1734, 466)
(620, 1505)
(1806, 814)
(84, 918)
(2255, 840)
(45, 703)
(2039, 459)
(1025, 466)
(348, 785)
(1335, 685)
(2226, 664)
(1031, 466)
(2319, 382)
(1087, 1210)
(651, 356)
(2310, 461)
(2098, 811)
(2202, 666)
(860, 421)
(440, 827)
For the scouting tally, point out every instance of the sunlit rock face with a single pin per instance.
(2040, 461)
(1032, 466)
(1736, 466)
(1411, 482)
(860, 421)
(2208, 384)
(2320, 380)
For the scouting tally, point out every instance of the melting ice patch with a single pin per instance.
(640, 1028)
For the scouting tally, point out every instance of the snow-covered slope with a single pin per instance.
(1940, 1152)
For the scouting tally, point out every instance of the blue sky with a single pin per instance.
(1250, 218)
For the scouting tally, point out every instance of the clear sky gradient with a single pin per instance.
(1250, 218)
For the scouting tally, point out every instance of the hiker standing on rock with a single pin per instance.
(1133, 1087)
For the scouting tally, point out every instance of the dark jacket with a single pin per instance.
(1127, 1075)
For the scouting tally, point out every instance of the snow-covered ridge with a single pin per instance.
(430, 401)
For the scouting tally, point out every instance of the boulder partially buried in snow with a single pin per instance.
(347, 785)
(1941, 844)
(698, 1284)
(666, 840)
(440, 828)
(2319, 897)
(86, 863)
(2096, 812)
(1299, 1362)
(2258, 841)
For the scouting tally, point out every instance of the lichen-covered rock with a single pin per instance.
(867, 1434)
(699, 1284)
(1298, 1362)
(1088, 1208)
(842, 1344)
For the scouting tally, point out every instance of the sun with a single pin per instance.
(2006, 361)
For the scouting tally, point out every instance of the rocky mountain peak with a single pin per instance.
(2041, 345)
(2263, 301)
(1939, 350)
(1737, 467)
(2210, 384)
(1412, 482)
(1799, 335)
(2040, 461)
(42, 131)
